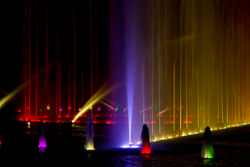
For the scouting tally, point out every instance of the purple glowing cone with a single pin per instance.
(42, 139)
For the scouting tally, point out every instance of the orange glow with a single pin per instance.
(150, 122)
(189, 122)
(110, 122)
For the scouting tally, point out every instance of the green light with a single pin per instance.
(40, 110)
(155, 107)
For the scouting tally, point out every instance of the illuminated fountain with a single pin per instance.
(184, 68)
(42, 139)
(183, 65)
(145, 140)
(207, 147)
(89, 145)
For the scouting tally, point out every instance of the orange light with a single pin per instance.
(189, 122)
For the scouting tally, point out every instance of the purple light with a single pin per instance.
(99, 109)
(60, 109)
(42, 144)
(42, 139)
(130, 146)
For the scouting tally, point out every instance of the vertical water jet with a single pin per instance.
(42, 139)
(89, 144)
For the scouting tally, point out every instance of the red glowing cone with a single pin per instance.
(145, 147)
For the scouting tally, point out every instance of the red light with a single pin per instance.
(146, 149)
(67, 116)
(169, 122)
(110, 122)
(19, 110)
(189, 122)
(69, 107)
(150, 122)
(27, 108)
(97, 115)
(45, 116)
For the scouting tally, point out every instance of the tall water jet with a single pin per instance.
(42, 139)
(129, 54)
(89, 145)
(145, 147)
(207, 148)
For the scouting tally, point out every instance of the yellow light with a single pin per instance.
(8, 97)
(90, 148)
(48, 107)
(94, 99)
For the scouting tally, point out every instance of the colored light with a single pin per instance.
(90, 148)
(40, 110)
(69, 107)
(8, 97)
(60, 109)
(28, 125)
(19, 110)
(130, 146)
(99, 109)
(48, 107)
(146, 150)
(94, 99)
(155, 108)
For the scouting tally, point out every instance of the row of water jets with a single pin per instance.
(207, 148)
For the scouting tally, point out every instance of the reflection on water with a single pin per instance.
(208, 162)
(146, 160)
(42, 150)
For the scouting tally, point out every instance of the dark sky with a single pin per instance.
(59, 16)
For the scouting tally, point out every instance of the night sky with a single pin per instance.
(50, 24)
(183, 53)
